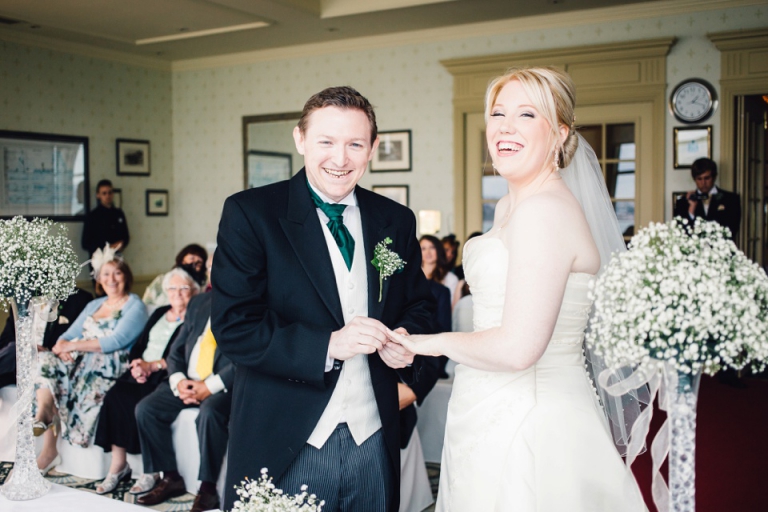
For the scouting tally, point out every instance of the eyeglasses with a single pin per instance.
(180, 289)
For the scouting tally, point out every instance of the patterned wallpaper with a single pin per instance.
(410, 90)
(51, 92)
(193, 118)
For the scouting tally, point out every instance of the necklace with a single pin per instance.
(117, 304)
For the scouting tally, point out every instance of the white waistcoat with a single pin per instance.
(353, 400)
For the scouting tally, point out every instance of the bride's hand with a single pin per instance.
(422, 344)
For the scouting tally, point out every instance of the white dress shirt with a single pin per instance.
(353, 400)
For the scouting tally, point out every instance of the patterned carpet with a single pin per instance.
(180, 504)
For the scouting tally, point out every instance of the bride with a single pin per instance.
(526, 430)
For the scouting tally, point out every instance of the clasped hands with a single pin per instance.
(141, 369)
(192, 392)
(63, 349)
(365, 335)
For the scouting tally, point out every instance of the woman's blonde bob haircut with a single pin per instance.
(553, 94)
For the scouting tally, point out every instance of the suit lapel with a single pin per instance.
(305, 234)
(375, 229)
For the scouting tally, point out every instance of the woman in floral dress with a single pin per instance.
(85, 363)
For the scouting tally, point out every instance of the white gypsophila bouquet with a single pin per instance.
(683, 293)
(36, 260)
(262, 496)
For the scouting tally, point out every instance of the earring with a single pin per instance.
(557, 159)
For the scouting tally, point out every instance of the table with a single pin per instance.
(65, 499)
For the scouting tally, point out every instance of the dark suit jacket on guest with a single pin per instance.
(275, 305)
(724, 208)
(198, 312)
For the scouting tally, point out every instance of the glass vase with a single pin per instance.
(25, 481)
(683, 389)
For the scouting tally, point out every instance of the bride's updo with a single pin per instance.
(553, 94)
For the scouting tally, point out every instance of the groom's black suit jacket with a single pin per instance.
(275, 304)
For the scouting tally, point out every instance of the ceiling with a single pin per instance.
(174, 30)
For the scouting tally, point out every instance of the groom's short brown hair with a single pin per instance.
(342, 97)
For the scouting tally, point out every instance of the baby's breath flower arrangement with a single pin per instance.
(681, 301)
(36, 260)
(262, 496)
(682, 294)
(386, 262)
(37, 267)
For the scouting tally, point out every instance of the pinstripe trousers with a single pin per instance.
(348, 477)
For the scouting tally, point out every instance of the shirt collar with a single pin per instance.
(712, 192)
(349, 200)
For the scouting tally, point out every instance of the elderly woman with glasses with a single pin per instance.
(191, 259)
(117, 431)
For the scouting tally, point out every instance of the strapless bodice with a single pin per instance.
(486, 263)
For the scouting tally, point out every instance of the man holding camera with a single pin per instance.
(708, 201)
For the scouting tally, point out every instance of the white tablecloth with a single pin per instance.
(432, 415)
(65, 499)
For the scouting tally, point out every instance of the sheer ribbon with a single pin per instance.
(584, 178)
(660, 380)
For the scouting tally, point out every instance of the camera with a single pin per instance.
(698, 196)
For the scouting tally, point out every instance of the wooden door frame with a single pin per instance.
(743, 72)
(627, 72)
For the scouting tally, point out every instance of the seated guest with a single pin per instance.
(451, 246)
(200, 376)
(88, 358)
(67, 311)
(117, 431)
(434, 264)
(191, 259)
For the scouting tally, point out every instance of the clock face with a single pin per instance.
(692, 101)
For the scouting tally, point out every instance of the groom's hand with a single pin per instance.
(395, 355)
(362, 335)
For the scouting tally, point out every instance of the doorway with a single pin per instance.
(751, 129)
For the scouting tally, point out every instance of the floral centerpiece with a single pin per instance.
(38, 267)
(262, 496)
(682, 300)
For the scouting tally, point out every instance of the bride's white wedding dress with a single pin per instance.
(533, 440)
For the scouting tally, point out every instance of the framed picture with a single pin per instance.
(265, 167)
(117, 198)
(43, 175)
(132, 157)
(157, 202)
(690, 144)
(393, 153)
(397, 193)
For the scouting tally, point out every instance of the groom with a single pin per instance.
(297, 307)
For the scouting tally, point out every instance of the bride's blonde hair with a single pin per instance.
(553, 94)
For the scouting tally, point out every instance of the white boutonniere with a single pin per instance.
(386, 262)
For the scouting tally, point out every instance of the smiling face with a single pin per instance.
(337, 148)
(112, 280)
(179, 292)
(428, 253)
(519, 137)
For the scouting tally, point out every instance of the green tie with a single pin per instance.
(339, 231)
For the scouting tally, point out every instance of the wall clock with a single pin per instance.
(693, 100)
